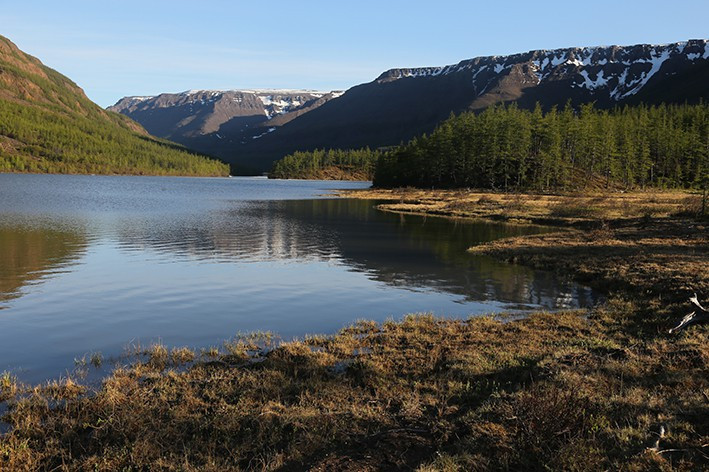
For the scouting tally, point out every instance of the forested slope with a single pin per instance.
(47, 124)
(331, 164)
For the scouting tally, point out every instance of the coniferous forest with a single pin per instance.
(47, 124)
(334, 164)
(41, 140)
(507, 147)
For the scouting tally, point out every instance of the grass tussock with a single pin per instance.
(603, 389)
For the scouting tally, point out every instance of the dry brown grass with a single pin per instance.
(665, 258)
(565, 390)
(563, 209)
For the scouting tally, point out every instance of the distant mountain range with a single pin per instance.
(251, 129)
(216, 121)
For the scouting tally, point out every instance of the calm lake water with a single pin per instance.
(95, 263)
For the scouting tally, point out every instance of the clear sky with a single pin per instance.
(114, 48)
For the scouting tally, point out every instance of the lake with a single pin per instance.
(96, 263)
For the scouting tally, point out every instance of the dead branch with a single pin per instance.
(695, 317)
(660, 436)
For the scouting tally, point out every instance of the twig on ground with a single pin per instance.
(694, 317)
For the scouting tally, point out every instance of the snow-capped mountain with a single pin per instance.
(611, 73)
(190, 116)
(405, 102)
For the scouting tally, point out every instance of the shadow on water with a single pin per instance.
(420, 252)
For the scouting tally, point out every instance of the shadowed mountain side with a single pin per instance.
(691, 86)
(376, 114)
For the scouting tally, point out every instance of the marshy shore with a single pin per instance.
(600, 389)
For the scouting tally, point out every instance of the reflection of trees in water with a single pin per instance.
(420, 252)
(404, 251)
(27, 254)
(253, 232)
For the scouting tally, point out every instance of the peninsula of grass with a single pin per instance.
(600, 389)
(582, 209)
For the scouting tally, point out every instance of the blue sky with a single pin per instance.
(117, 48)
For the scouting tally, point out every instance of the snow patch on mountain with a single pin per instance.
(594, 84)
(656, 61)
(558, 60)
(269, 130)
(625, 70)
(280, 104)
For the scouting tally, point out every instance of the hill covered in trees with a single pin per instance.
(47, 124)
(507, 147)
(331, 164)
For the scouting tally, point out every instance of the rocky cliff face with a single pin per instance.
(402, 103)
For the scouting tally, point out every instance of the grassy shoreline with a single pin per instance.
(577, 390)
(583, 210)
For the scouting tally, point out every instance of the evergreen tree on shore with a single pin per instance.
(505, 147)
(335, 164)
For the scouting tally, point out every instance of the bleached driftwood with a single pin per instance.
(695, 317)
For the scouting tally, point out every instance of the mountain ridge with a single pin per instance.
(404, 102)
(200, 118)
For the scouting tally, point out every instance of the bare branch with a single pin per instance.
(688, 319)
(695, 300)
(694, 317)
(660, 436)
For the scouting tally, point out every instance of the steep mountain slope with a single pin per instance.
(210, 120)
(47, 124)
(402, 103)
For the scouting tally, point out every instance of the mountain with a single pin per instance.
(403, 103)
(212, 121)
(47, 124)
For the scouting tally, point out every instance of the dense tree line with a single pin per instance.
(507, 147)
(45, 139)
(336, 164)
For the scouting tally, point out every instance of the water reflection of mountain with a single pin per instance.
(405, 251)
(29, 254)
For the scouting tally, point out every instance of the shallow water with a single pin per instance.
(94, 263)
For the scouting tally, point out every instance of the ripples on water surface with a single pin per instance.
(93, 263)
